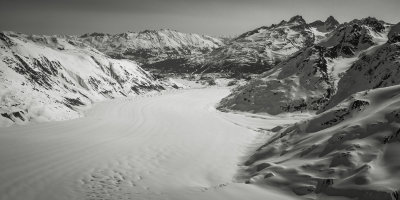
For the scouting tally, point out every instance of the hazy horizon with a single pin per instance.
(210, 17)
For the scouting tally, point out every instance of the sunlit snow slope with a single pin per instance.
(45, 78)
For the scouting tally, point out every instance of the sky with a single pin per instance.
(211, 17)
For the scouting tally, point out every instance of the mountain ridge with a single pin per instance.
(47, 78)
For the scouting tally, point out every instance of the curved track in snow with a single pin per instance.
(170, 146)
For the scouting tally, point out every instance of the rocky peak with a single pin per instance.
(95, 34)
(331, 21)
(299, 19)
(330, 24)
(376, 25)
(148, 32)
(317, 23)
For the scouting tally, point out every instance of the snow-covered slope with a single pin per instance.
(151, 46)
(308, 79)
(351, 150)
(45, 78)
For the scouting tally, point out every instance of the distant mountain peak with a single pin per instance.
(331, 21)
(297, 18)
(375, 24)
(157, 31)
(94, 34)
(329, 24)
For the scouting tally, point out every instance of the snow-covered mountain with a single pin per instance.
(308, 79)
(151, 46)
(45, 78)
(256, 51)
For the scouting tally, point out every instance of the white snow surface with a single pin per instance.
(170, 145)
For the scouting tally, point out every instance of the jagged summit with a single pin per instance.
(331, 21)
(158, 31)
(330, 24)
(297, 18)
(375, 24)
(94, 34)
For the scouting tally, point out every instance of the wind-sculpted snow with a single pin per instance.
(350, 150)
(45, 78)
(312, 77)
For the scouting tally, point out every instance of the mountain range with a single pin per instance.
(255, 51)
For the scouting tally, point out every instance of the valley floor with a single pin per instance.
(173, 145)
